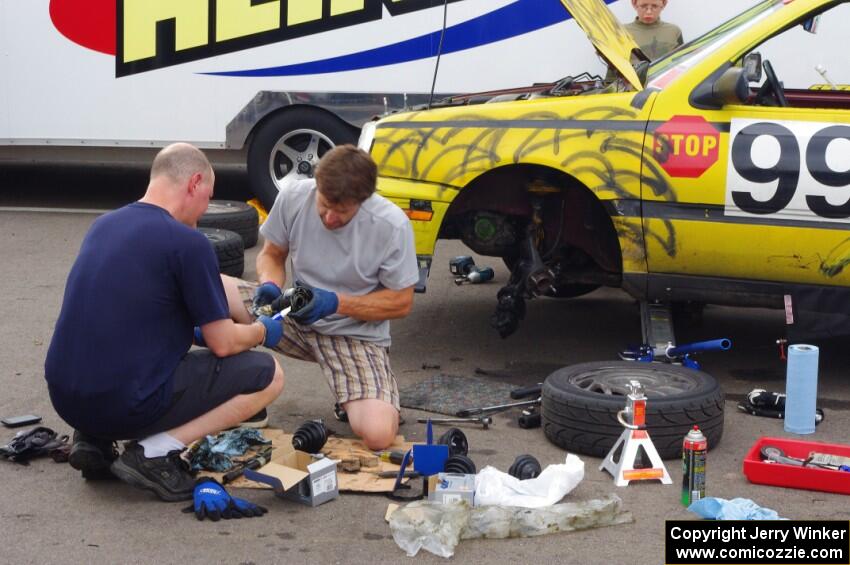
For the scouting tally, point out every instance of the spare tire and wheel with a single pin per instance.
(288, 145)
(235, 216)
(229, 250)
(580, 405)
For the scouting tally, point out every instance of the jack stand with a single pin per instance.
(634, 437)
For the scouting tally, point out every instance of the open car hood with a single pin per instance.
(610, 38)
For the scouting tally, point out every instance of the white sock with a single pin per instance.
(160, 444)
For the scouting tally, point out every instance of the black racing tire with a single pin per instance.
(234, 216)
(229, 250)
(580, 405)
(287, 139)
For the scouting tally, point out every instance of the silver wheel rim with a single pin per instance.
(614, 381)
(296, 154)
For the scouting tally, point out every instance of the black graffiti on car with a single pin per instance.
(414, 149)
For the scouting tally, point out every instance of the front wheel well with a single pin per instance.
(571, 215)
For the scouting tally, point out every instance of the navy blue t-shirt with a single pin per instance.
(140, 284)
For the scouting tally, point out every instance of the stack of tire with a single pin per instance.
(231, 227)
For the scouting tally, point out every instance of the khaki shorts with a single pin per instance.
(354, 369)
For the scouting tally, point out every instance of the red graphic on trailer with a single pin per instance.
(686, 146)
(90, 23)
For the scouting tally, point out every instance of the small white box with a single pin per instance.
(446, 488)
(295, 476)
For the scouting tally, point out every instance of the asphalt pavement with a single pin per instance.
(49, 514)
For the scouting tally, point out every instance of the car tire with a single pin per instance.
(229, 250)
(580, 405)
(234, 216)
(286, 140)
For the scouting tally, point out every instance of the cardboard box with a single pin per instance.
(446, 488)
(296, 476)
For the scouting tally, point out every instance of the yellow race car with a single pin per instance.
(700, 176)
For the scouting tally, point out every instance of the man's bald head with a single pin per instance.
(179, 161)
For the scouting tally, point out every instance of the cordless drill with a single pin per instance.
(464, 269)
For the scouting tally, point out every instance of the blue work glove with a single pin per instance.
(322, 304)
(265, 294)
(274, 330)
(246, 509)
(210, 501)
(199, 338)
(213, 502)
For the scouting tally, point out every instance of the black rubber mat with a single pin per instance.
(446, 394)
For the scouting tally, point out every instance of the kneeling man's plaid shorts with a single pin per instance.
(354, 369)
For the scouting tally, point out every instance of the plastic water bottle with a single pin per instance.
(801, 389)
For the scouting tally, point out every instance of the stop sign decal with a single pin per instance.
(686, 146)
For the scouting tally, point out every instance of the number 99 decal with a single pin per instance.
(791, 171)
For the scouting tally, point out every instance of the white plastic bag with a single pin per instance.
(494, 487)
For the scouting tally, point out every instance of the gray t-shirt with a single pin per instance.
(374, 250)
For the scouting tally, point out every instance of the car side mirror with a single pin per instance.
(726, 85)
(752, 67)
(732, 87)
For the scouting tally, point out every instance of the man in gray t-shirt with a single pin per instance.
(354, 249)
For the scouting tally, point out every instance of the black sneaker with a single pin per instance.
(166, 476)
(340, 413)
(92, 456)
(258, 420)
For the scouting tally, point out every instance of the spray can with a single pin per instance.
(694, 449)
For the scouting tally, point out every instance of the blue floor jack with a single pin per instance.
(659, 342)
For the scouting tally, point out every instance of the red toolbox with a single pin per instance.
(790, 476)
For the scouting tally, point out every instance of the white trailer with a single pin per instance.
(268, 84)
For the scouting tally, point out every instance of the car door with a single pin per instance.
(753, 191)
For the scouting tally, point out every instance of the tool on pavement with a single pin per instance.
(394, 474)
(694, 450)
(461, 265)
(485, 421)
(760, 402)
(476, 276)
(530, 418)
(526, 391)
(468, 412)
(255, 462)
(464, 270)
(633, 438)
(391, 457)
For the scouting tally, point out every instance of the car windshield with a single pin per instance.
(663, 70)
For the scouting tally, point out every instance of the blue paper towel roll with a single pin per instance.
(801, 389)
